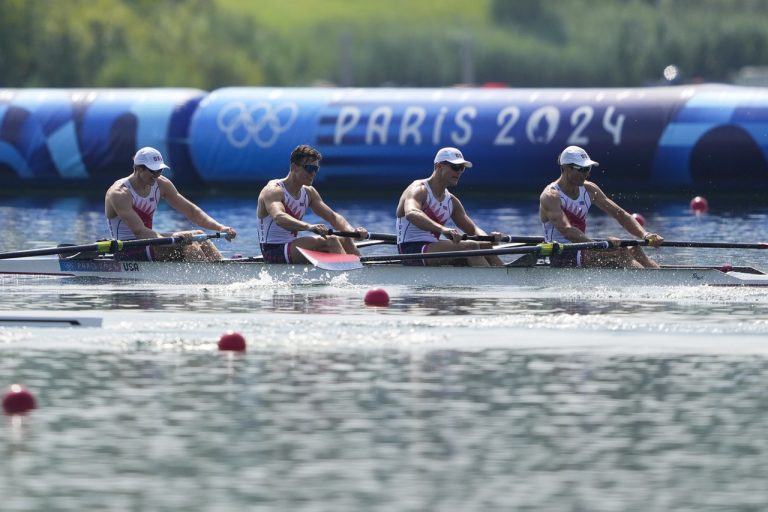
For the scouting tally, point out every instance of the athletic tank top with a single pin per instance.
(269, 231)
(145, 207)
(438, 211)
(574, 209)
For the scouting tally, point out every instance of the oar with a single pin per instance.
(368, 243)
(631, 243)
(538, 240)
(384, 237)
(506, 239)
(700, 245)
(333, 261)
(107, 246)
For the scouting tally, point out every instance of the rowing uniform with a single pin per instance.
(145, 208)
(414, 240)
(576, 212)
(276, 241)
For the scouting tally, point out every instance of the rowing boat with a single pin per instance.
(376, 274)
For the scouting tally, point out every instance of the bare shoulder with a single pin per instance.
(549, 193)
(591, 186)
(416, 189)
(271, 189)
(454, 198)
(594, 191)
(116, 186)
(165, 185)
(272, 184)
(312, 194)
(117, 191)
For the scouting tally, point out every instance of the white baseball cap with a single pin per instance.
(150, 158)
(451, 155)
(576, 156)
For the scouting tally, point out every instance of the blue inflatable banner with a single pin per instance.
(50, 136)
(657, 138)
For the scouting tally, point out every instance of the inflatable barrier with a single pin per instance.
(656, 138)
(64, 138)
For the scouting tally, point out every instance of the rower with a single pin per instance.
(426, 206)
(563, 207)
(130, 205)
(281, 208)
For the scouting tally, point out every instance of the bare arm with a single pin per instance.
(627, 221)
(190, 210)
(551, 211)
(322, 210)
(463, 221)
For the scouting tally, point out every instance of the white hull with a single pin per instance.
(232, 271)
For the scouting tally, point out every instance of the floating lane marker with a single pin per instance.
(377, 297)
(18, 400)
(233, 341)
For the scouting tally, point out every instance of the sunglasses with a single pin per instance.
(455, 167)
(583, 170)
(310, 168)
(155, 173)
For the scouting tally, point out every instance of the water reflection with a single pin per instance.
(448, 429)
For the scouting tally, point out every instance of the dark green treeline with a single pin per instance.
(527, 43)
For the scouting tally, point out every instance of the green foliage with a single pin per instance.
(531, 43)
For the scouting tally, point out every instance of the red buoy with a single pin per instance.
(699, 205)
(376, 297)
(639, 218)
(232, 341)
(18, 400)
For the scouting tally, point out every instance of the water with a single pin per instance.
(604, 399)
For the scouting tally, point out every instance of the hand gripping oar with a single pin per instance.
(107, 246)
(333, 261)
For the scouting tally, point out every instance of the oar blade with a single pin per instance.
(331, 261)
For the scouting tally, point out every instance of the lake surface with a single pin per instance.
(534, 399)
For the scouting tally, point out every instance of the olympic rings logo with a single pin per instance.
(260, 122)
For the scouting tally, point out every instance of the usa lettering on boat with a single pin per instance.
(90, 266)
